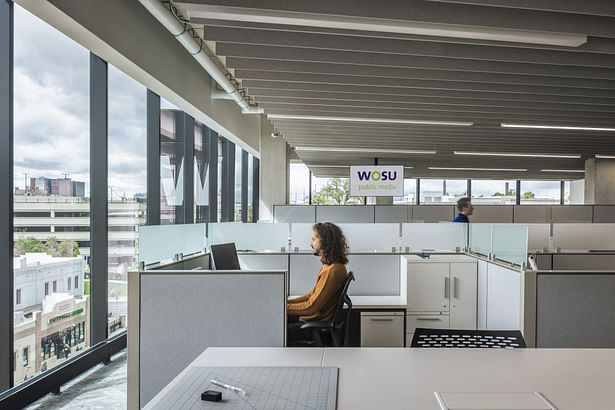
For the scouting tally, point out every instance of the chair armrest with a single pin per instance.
(316, 325)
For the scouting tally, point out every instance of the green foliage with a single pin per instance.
(51, 246)
(336, 192)
(527, 195)
(28, 244)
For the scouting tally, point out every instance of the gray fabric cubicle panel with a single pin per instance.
(391, 213)
(375, 275)
(532, 213)
(604, 213)
(294, 213)
(183, 314)
(544, 262)
(345, 213)
(575, 310)
(492, 214)
(433, 213)
(571, 213)
(583, 262)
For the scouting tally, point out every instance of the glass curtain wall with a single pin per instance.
(333, 191)
(51, 198)
(299, 182)
(574, 192)
(219, 195)
(540, 192)
(250, 188)
(442, 190)
(171, 164)
(201, 172)
(127, 193)
(494, 191)
(409, 193)
(237, 185)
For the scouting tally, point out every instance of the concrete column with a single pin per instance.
(599, 181)
(274, 168)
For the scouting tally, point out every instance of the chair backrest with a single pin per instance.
(507, 339)
(341, 317)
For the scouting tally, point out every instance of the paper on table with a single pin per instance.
(493, 401)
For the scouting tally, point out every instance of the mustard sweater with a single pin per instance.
(320, 303)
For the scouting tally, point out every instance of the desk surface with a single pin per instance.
(571, 379)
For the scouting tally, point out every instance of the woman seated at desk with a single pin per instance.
(319, 304)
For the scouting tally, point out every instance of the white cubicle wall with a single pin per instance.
(175, 315)
(433, 236)
(573, 236)
(345, 214)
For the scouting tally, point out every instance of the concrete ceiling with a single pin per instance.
(365, 60)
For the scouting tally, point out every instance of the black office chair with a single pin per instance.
(334, 333)
(507, 339)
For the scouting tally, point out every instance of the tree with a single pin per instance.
(28, 244)
(336, 192)
(527, 195)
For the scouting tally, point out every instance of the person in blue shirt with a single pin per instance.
(464, 205)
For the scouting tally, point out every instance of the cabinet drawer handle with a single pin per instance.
(446, 288)
(455, 287)
(429, 318)
(381, 320)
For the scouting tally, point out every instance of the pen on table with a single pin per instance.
(229, 387)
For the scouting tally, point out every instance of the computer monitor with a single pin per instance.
(224, 257)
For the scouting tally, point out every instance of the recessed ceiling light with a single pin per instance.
(363, 119)
(478, 169)
(556, 127)
(605, 156)
(562, 170)
(369, 150)
(515, 154)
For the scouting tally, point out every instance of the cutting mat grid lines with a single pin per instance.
(300, 388)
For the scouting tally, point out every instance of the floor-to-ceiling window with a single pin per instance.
(201, 173)
(250, 188)
(442, 190)
(127, 193)
(171, 163)
(238, 182)
(299, 183)
(494, 191)
(51, 198)
(540, 192)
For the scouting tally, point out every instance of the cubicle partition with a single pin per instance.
(177, 313)
(165, 242)
(497, 213)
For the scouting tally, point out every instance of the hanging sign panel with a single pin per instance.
(376, 180)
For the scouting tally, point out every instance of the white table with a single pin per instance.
(397, 378)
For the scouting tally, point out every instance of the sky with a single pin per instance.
(51, 111)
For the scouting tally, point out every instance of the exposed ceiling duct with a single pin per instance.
(195, 45)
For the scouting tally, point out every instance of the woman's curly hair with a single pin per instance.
(332, 243)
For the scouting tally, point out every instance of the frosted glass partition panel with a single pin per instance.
(391, 213)
(433, 236)
(582, 236)
(538, 236)
(162, 242)
(301, 234)
(480, 238)
(509, 243)
(251, 237)
(371, 237)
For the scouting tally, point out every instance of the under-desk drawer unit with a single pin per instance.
(426, 321)
(382, 329)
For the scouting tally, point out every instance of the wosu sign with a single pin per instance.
(376, 180)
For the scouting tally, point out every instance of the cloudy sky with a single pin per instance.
(51, 97)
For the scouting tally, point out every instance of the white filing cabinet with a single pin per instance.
(442, 292)
(382, 329)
